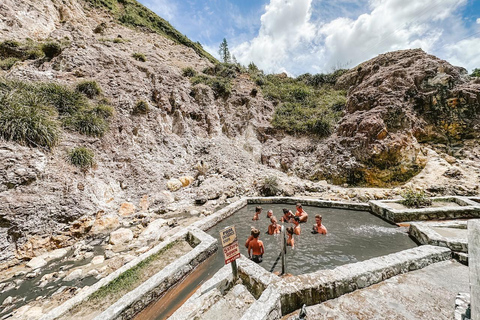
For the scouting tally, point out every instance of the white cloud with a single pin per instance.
(465, 53)
(164, 8)
(478, 21)
(290, 40)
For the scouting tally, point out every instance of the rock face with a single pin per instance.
(394, 101)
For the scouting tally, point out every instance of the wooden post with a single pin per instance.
(234, 270)
(284, 250)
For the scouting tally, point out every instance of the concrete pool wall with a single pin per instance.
(274, 296)
(150, 290)
(467, 208)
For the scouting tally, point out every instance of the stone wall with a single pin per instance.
(424, 234)
(466, 209)
(291, 293)
(311, 202)
(474, 267)
(137, 299)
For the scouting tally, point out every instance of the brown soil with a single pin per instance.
(93, 307)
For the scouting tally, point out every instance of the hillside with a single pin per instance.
(160, 109)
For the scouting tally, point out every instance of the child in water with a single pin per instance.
(290, 240)
(273, 228)
(319, 227)
(258, 210)
(255, 247)
(296, 222)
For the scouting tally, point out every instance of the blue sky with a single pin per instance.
(299, 36)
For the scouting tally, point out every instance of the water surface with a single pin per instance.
(352, 236)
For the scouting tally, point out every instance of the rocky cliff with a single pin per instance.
(222, 146)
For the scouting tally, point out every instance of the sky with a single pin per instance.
(320, 36)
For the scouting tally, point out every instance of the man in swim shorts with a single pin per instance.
(319, 227)
(249, 238)
(301, 214)
(296, 229)
(255, 247)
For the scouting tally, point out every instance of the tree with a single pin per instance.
(224, 52)
(475, 73)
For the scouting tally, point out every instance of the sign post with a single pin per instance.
(228, 236)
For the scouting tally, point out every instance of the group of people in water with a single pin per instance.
(255, 246)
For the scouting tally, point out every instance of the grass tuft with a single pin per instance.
(139, 57)
(141, 107)
(90, 88)
(51, 49)
(415, 199)
(82, 157)
(269, 187)
(8, 63)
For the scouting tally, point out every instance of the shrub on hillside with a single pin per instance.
(415, 199)
(189, 72)
(81, 157)
(29, 125)
(87, 122)
(8, 63)
(139, 56)
(51, 49)
(104, 110)
(65, 100)
(90, 88)
(141, 107)
(269, 187)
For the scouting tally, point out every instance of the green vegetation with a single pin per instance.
(141, 107)
(475, 73)
(25, 120)
(306, 104)
(139, 57)
(119, 40)
(189, 72)
(8, 63)
(127, 280)
(12, 51)
(33, 113)
(87, 122)
(51, 49)
(82, 157)
(269, 187)
(89, 88)
(224, 52)
(415, 199)
(133, 14)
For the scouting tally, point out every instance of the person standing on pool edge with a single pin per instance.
(255, 246)
(319, 227)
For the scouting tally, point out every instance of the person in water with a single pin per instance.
(274, 227)
(319, 227)
(290, 239)
(287, 215)
(301, 214)
(258, 211)
(249, 238)
(255, 247)
(269, 214)
(296, 229)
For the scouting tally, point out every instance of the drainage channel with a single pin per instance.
(176, 296)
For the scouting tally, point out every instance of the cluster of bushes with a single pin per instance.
(306, 104)
(219, 77)
(12, 51)
(133, 14)
(415, 199)
(35, 113)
